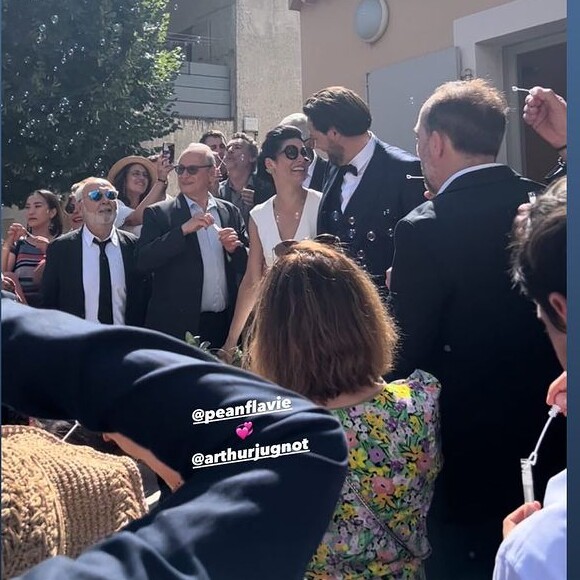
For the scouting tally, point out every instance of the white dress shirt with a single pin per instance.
(360, 161)
(91, 278)
(536, 548)
(214, 293)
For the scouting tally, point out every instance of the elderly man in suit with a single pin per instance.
(91, 272)
(461, 319)
(368, 191)
(195, 246)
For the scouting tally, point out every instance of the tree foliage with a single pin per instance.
(84, 83)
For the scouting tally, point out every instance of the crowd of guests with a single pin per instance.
(348, 284)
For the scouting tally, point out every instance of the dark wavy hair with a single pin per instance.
(340, 108)
(538, 251)
(271, 148)
(52, 200)
(121, 178)
(320, 328)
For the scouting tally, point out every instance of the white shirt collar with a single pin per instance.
(88, 236)
(463, 172)
(211, 203)
(363, 157)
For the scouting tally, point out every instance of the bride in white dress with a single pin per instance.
(289, 215)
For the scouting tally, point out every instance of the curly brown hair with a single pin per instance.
(320, 328)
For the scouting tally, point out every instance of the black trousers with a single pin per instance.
(214, 327)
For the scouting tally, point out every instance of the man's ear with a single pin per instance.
(559, 303)
(438, 142)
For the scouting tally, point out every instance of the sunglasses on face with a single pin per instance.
(291, 152)
(96, 194)
(285, 246)
(191, 169)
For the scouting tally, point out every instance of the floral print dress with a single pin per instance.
(379, 527)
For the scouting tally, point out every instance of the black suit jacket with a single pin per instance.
(177, 268)
(383, 196)
(319, 174)
(62, 282)
(210, 527)
(461, 319)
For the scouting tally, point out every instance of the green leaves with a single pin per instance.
(84, 83)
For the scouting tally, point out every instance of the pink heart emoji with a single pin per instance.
(244, 430)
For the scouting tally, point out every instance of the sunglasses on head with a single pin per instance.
(291, 152)
(285, 246)
(191, 169)
(96, 194)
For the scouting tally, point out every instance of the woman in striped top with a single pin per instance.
(24, 249)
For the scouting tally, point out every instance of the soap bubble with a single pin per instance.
(54, 18)
(351, 220)
(351, 233)
(42, 28)
(371, 236)
(335, 215)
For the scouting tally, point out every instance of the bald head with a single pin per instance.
(201, 152)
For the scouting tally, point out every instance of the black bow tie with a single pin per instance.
(349, 169)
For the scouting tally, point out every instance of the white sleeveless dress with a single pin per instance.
(265, 220)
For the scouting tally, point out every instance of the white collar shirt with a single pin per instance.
(361, 161)
(214, 293)
(536, 548)
(91, 276)
(464, 171)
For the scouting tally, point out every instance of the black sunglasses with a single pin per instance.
(96, 195)
(285, 246)
(291, 152)
(191, 169)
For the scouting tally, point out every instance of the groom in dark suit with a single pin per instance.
(367, 191)
(461, 320)
(91, 272)
(195, 246)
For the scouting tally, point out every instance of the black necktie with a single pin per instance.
(105, 314)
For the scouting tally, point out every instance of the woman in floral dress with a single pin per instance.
(321, 330)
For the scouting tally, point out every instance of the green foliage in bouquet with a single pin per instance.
(237, 355)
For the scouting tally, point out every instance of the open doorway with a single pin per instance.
(541, 62)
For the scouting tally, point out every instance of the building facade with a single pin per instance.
(517, 42)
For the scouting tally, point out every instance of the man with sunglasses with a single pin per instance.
(91, 272)
(195, 247)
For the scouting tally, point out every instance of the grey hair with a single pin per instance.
(300, 121)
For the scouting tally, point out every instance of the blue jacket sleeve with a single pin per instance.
(249, 519)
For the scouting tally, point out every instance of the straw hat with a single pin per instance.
(58, 498)
(122, 163)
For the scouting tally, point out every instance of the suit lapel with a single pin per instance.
(127, 252)
(179, 214)
(76, 265)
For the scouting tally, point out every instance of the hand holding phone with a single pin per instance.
(168, 152)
